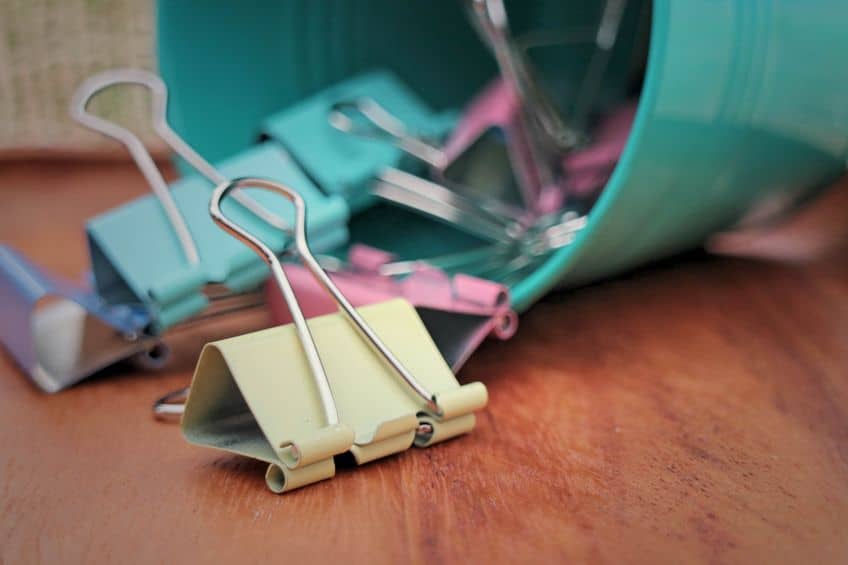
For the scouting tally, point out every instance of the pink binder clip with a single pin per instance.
(497, 107)
(588, 169)
(459, 311)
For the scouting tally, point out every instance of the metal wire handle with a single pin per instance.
(134, 145)
(159, 118)
(383, 125)
(489, 17)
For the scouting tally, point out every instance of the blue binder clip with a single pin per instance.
(343, 164)
(60, 333)
(178, 265)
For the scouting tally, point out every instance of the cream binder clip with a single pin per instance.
(368, 381)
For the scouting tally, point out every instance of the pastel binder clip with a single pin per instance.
(459, 311)
(345, 165)
(368, 381)
(588, 168)
(163, 251)
(60, 333)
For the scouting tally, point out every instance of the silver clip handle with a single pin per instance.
(205, 168)
(309, 261)
(79, 112)
(159, 120)
(434, 200)
(366, 118)
(490, 19)
(422, 195)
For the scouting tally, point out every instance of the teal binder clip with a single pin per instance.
(164, 251)
(342, 164)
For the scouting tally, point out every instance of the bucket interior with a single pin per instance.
(242, 62)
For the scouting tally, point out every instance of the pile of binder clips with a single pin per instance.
(364, 358)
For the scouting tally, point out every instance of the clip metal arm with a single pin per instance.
(79, 112)
(307, 341)
(489, 17)
(159, 94)
(365, 117)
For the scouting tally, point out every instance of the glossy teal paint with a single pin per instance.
(744, 103)
(229, 65)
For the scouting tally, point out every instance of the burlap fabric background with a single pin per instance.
(47, 47)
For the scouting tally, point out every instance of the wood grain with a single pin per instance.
(695, 411)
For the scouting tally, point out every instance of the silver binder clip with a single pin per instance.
(79, 112)
(369, 381)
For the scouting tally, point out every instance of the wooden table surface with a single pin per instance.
(694, 411)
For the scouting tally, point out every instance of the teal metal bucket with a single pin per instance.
(744, 105)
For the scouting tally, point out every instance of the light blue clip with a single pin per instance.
(60, 333)
(343, 164)
(163, 251)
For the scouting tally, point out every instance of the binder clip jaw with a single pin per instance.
(60, 333)
(367, 381)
